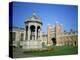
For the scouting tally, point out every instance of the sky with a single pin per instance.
(67, 15)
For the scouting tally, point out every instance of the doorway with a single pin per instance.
(54, 41)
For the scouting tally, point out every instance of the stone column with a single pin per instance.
(25, 34)
(28, 32)
(40, 34)
(35, 32)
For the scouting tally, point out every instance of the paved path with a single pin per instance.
(18, 53)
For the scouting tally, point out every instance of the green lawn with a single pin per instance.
(55, 50)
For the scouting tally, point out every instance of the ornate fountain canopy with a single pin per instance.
(33, 18)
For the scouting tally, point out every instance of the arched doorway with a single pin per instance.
(32, 35)
(38, 31)
(54, 41)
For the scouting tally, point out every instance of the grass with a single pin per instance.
(55, 50)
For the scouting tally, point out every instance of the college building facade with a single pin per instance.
(31, 37)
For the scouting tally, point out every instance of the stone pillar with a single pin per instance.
(28, 32)
(35, 32)
(40, 34)
(25, 34)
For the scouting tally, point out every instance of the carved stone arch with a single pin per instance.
(38, 31)
(26, 32)
(54, 41)
(32, 30)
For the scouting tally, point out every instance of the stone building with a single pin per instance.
(16, 36)
(31, 37)
(58, 38)
(44, 39)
